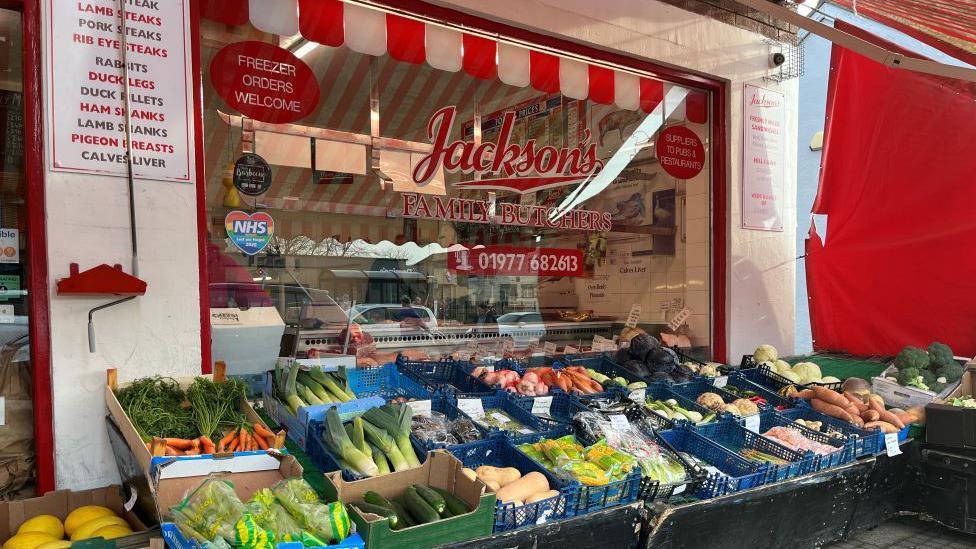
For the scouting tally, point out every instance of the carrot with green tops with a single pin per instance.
(262, 444)
(224, 442)
(232, 446)
(179, 443)
(263, 431)
(170, 451)
(207, 444)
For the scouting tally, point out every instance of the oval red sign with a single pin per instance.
(264, 82)
(680, 152)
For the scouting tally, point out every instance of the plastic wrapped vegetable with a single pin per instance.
(325, 521)
(609, 459)
(213, 510)
(271, 516)
(588, 473)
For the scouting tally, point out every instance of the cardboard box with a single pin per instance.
(170, 492)
(62, 502)
(953, 426)
(896, 396)
(441, 470)
(163, 467)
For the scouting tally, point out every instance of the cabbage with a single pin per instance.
(807, 372)
(781, 366)
(791, 375)
(765, 353)
(829, 379)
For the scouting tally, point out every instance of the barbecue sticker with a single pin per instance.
(249, 232)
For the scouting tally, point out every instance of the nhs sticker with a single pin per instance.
(249, 232)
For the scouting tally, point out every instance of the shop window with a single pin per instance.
(373, 225)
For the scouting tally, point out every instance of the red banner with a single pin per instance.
(506, 260)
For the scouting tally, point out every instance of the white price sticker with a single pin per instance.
(501, 418)
(721, 381)
(570, 350)
(679, 489)
(891, 444)
(638, 395)
(541, 406)
(634, 316)
(752, 423)
(472, 407)
(619, 422)
(420, 407)
(549, 349)
(679, 319)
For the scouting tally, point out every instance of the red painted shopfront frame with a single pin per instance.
(719, 94)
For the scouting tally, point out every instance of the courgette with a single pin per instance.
(418, 507)
(431, 497)
(453, 503)
(376, 499)
(390, 514)
(406, 521)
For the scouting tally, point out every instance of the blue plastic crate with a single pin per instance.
(502, 401)
(562, 407)
(735, 437)
(499, 452)
(662, 391)
(773, 400)
(176, 540)
(595, 498)
(603, 364)
(386, 382)
(693, 389)
(442, 405)
(736, 472)
(444, 376)
(326, 462)
(845, 447)
(866, 442)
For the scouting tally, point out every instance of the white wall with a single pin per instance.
(159, 333)
(761, 264)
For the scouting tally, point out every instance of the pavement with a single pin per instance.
(908, 532)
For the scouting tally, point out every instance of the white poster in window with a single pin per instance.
(9, 246)
(89, 44)
(763, 157)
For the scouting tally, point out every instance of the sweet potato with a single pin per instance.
(886, 415)
(870, 415)
(857, 402)
(805, 394)
(830, 397)
(883, 425)
(831, 410)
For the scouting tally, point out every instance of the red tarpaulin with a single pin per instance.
(898, 186)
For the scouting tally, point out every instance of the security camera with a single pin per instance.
(776, 59)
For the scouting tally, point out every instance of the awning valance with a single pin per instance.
(369, 31)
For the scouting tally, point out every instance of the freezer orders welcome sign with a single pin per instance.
(89, 44)
(762, 159)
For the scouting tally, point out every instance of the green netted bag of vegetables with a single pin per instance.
(326, 521)
(214, 511)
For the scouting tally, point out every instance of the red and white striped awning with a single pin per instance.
(335, 23)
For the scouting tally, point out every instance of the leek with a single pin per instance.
(385, 442)
(335, 436)
(398, 428)
(329, 384)
(380, 460)
(291, 394)
(307, 395)
(315, 387)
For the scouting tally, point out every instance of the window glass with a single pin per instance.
(432, 247)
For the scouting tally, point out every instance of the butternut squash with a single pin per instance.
(499, 475)
(525, 487)
(541, 496)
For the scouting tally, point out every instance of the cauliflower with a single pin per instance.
(765, 353)
(912, 357)
(710, 369)
(746, 407)
(807, 371)
(940, 355)
(711, 401)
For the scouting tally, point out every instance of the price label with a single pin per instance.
(472, 407)
(638, 395)
(541, 406)
(508, 345)
(549, 349)
(679, 489)
(420, 407)
(891, 444)
(526, 431)
(679, 318)
(634, 316)
(619, 422)
(721, 381)
(570, 350)
(752, 423)
(501, 418)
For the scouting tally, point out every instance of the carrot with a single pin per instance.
(883, 425)
(831, 410)
(829, 396)
(170, 451)
(233, 444)
(179, 443)
(195, 444)
(247, 442)
(226, 440)
(806, 394)
(858, 403)
(192, 452)
(262, 430)
(262, 444)
(870, 415)
(207, 444)
(886, 415)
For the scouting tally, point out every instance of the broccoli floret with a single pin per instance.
(939, 355)
(912, 357)
(937, 386)
(907, 376)
(928, 378)
(952, 372)
(918, 384)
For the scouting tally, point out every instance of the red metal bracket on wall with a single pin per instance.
(102, 280)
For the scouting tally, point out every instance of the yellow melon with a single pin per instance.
(86, 530)
(84, 514)
(28, 540)
(112, 531)
(57, 544)
(48, 524)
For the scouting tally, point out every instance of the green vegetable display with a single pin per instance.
(912, 357)
(963, 402)
(940, 355)
(375, 443)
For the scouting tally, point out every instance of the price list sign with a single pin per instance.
(99, 51)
